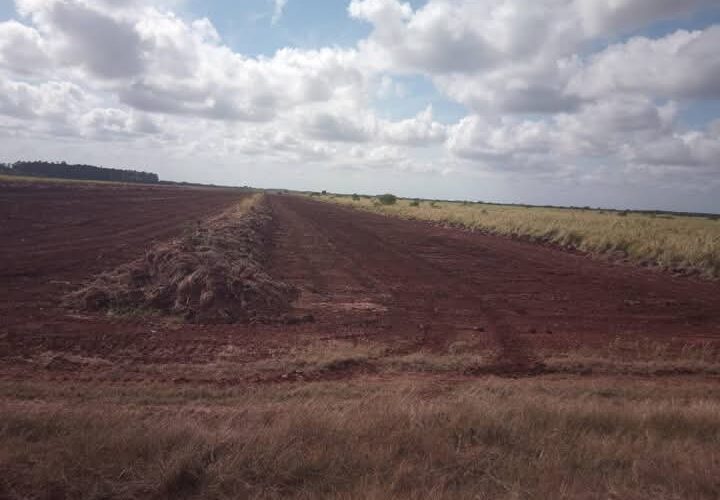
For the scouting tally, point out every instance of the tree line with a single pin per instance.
(82, 172)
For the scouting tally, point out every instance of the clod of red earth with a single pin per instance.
(212, 274)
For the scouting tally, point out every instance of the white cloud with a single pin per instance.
(52, 100)
(545, 94)
(681, 65)
(618, 132)
(524, 57)
(420, 130)
(602, 16)
(278, 8)
(335, 127)
(22, 49)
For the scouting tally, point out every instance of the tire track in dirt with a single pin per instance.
(421, 298)
(435, 285)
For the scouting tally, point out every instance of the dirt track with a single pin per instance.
(410, 280)
(408, 285)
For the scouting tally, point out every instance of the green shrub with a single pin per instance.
(415, 203)
(387, 199)
(355, 197)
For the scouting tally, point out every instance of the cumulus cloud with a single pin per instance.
(681, 65)
(621, 131)
(518, 57)
(420, 130)
(602, 16)
(76, 33)
(22, 49)
(51, 100)
(113, 124)
(333, 127)
(544, 91)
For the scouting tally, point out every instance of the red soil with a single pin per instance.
(56, 235)
(408, 285)
(436, 285)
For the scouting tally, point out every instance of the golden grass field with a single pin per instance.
(682, 243)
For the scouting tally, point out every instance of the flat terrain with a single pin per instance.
(416, 359)
(687, 244)
(55, 235)
(388, 290)
(376, 276)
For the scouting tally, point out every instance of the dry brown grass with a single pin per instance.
(407, 424)
(682, 243)
(637, 356)
(489, 438)
(336, 358)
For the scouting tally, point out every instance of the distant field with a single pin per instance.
(678, 242)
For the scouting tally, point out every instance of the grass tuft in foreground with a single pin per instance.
(489, 438)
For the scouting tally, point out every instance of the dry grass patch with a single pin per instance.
(638, 356)
(400, 439)
(339, 357)
(335, 359)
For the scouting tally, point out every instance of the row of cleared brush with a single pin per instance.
(687, 244)
(213, 273)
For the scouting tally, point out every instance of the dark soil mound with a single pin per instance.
(214, 273)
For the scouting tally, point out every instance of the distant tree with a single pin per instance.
(355, 197)
(324, 192)
(387, 199)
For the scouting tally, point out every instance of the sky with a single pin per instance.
(611, 103)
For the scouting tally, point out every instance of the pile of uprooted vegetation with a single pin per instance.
(213, 273)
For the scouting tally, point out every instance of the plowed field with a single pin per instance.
(377, 290)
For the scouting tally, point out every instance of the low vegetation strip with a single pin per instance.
(489, 439)
(687, 244)
(213, 273)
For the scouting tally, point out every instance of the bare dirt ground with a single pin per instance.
(54, 236)
(365, 281)
(404, 281)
